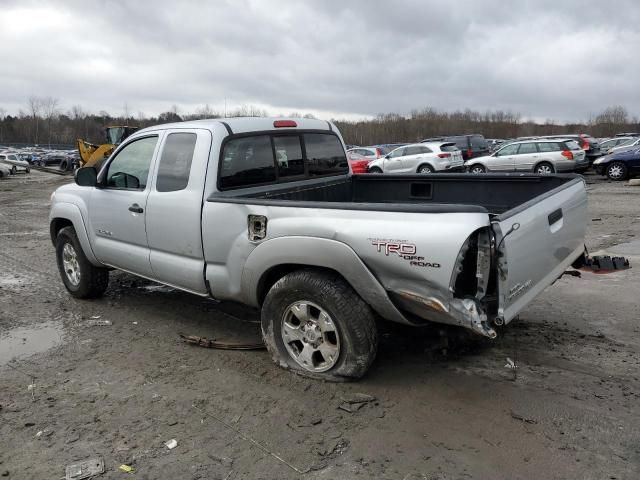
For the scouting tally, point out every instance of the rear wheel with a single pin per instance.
(315, 324)
(477, 169)
(14, 170)
(27, 170)
(544, 168)
(80, 277)
(64, 165)
(425, 169)
(617, 171)
(375, 170)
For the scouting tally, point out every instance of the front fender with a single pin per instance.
(317, 252)
(71, 212)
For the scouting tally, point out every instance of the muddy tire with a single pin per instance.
(80, 277)
(316, 325)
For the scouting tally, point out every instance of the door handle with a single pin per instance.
(135, 208)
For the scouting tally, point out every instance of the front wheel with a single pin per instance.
(616, 171)
(477, 169)
(315, 324)
(80, 277)
(27, 170)
(14, 170)
(375, 170)
(544, 169)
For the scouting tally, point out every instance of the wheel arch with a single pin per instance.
(68, 215)
(425, 164)
(275, 258)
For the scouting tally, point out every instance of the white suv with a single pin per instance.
(420, 158)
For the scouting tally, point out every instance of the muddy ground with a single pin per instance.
(445, 405)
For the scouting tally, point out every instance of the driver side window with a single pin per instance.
(130, 168)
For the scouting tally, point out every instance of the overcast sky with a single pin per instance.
(343, 59)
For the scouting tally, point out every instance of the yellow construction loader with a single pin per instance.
(92, 155)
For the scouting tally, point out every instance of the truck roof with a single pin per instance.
(248, 124)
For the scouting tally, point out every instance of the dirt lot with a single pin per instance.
(445, 405)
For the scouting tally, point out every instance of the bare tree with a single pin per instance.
(50, 108)
(35, 107)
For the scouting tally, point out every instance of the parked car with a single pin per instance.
(471, 146)
(607, 145)
(360, 157)
(206, 207)
(5, 171)
(14, 163)
(52, 159)
(619, 165)
(358, 163)
(628, 134)
(589, 144)
(420, 158)
(539, 156)
(630, 145)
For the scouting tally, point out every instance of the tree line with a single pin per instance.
(44, 122)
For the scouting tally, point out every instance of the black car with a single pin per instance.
(471, 146)
(589, 144)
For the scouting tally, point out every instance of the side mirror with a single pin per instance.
(387, 156)
(86, 177)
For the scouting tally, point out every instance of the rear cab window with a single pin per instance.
(262, 159)
(175, 162)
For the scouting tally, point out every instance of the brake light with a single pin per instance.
(585, 144)
(379, 153)
(567, 154)
(284, 123)
(470, 153)
(444, 155)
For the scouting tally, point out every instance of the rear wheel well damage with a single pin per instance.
(56, 225)
(271, 276)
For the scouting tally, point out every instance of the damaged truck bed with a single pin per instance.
(266, 212)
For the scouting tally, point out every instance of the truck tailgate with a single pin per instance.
(537, 242)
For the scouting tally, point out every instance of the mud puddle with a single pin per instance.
(25, 341)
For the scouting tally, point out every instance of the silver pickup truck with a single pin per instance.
(266, 212)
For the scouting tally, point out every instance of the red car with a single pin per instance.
(359, 157)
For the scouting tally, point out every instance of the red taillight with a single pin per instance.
(470, 153)
(379, 153)
(444, 155)
(567, 154)
(284, 123)
(584, 143)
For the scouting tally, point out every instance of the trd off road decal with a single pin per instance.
(405, 250)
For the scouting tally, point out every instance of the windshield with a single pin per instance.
(115, 134)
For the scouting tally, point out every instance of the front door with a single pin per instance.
(503, 159)
(118, 209)
(393, 162)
